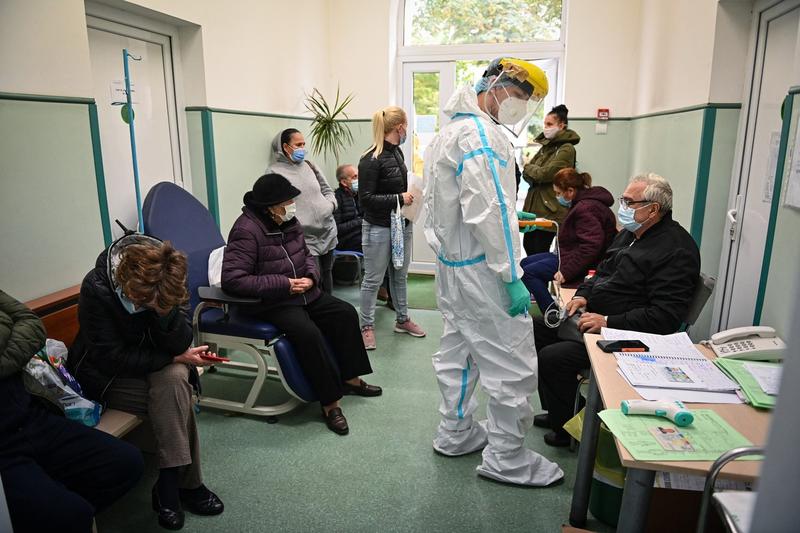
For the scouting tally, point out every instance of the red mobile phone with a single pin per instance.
(215, 359)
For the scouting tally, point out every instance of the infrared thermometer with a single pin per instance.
(671, 410)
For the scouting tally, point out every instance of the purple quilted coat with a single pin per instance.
(261, 257)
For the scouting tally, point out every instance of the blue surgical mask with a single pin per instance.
(354, 186)
(625, 217)
(298, 155)
(403, 138)
(563, 201)
(129, 306)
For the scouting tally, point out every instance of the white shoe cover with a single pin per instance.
(524, 467)
(455, 443)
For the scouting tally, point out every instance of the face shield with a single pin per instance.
(513, 105)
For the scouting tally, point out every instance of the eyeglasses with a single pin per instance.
(624, 202)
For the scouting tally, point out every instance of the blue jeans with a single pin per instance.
(539, 271)
(376, 243)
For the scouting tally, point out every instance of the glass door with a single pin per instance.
(426, 88)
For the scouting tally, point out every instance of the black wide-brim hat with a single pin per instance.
(269, 190)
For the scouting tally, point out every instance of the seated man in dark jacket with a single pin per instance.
(57, 474)
(645, 283)
(134, 353)
(348, 214)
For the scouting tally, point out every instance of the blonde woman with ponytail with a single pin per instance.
(383, 183)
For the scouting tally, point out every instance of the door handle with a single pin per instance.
(731, 215)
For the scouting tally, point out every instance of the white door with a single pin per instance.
(426, 88)
(774, 71)
(156, 119)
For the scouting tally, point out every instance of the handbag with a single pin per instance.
(397, 237)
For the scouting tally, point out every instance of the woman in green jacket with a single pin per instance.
(557, 152)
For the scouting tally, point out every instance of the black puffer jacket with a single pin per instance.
(113, 343)
(381, 181)
(348, 216)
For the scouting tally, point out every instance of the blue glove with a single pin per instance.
(520, 297)
(522, 215)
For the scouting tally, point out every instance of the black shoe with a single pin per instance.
(336, 421)
(201, 501)
(542, 421)
(167, 518)
(362, 389)
(559, 439)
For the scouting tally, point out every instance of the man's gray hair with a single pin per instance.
(658, 190)
(340, 171)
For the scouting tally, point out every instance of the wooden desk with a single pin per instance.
(607, 387)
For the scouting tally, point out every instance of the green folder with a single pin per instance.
(750, 387)
(705, 439)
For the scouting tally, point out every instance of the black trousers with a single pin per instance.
(559, 363)
(57, 474)
(307, 327)
(325, 265)
(536, 242)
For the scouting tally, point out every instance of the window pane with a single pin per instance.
(432, 22)
(426, 115)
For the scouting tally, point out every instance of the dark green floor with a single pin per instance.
(298, 476)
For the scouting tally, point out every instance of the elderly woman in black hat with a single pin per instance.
(267, 258)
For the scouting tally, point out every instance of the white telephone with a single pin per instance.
(755, 343)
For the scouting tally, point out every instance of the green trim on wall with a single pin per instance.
(259, 114)
(210, 160)
(99, 174)
(710, 105)
(46, 98)
(703, 170)
(773, 212)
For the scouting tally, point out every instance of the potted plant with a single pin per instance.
(329, 135)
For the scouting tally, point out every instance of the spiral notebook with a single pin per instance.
(672, 362)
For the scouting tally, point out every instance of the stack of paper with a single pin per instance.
(672, 369)
(743, 373)
(652, 438)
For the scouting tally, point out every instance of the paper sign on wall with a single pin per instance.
(792, 196)
(772, 162)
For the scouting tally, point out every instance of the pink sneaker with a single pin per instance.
(368, 336)
(408, 327)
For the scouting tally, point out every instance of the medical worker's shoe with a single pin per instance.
(336, 421)
(201, 501)
(558, 438)
(167, 518)
(362, 389)
(542, 421)
(409, 327)
(368, 336)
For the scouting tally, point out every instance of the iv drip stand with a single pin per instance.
(125, 56)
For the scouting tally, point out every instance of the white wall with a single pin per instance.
(728, 70)
(601, 56)
(43, 48)
(676, 51)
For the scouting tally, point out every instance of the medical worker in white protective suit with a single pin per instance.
(472, 226)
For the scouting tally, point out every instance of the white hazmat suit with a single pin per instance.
(472, 227)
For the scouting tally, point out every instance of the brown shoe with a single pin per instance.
(362, 389)
(336, 421)
(383, 294)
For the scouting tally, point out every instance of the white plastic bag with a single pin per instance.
(47, 367)
(415, 187)
(398, 243)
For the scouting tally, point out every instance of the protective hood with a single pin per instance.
(114, 255)
(565, 136)
(277, 151)
(465, 100)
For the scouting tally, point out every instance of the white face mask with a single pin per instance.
(512, 110)
(550, 133)
(291, 210)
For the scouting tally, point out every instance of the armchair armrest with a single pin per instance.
(216, 294)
